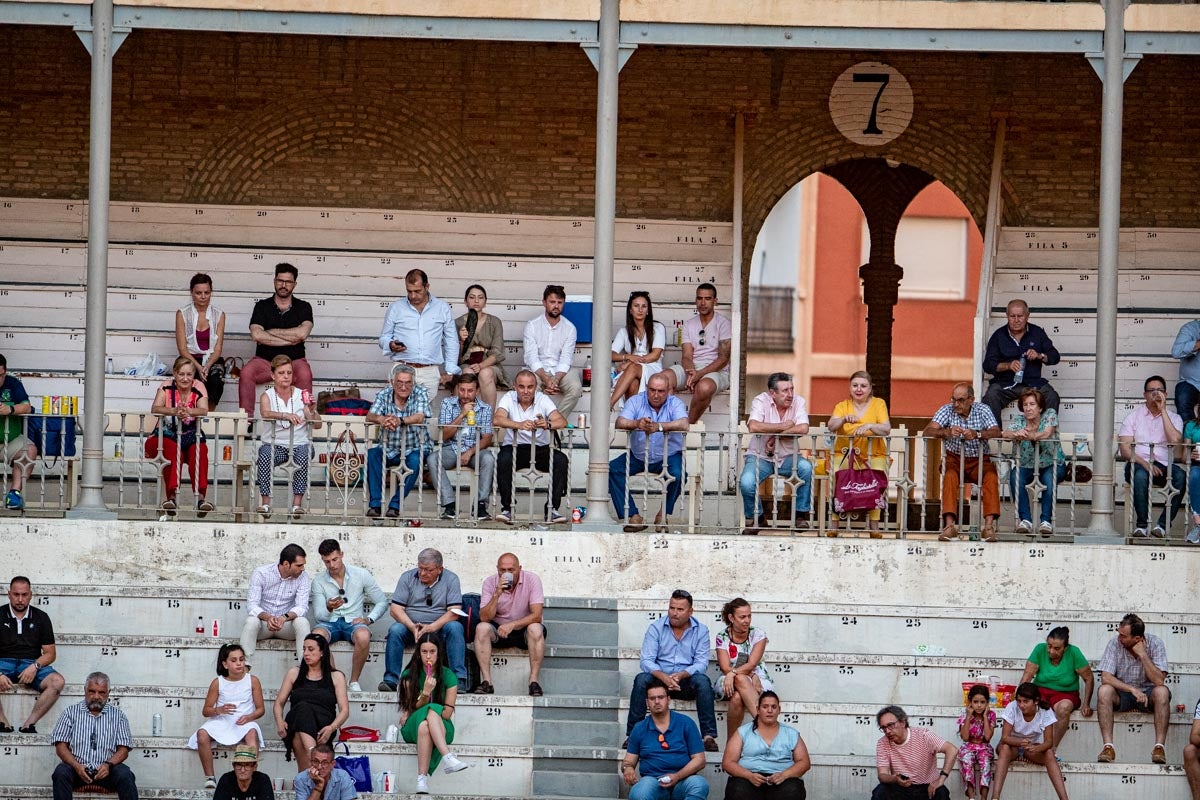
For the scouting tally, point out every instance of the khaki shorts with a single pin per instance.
(14, 446)
(721, 379)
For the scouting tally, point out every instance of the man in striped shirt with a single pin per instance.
(93, 740)
(906, 759)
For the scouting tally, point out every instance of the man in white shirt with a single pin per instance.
(778, 418)
(707, 341)
(419, 331)
(277, 602)
(549, 350)
(528, 416)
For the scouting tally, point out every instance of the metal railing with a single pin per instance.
(709, 482)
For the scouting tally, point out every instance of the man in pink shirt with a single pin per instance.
(707, 343)
(1146, 441)
(510, 615)
(906, 760)
(778, 418)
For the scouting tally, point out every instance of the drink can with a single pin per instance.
(74, 404)
(1180, 707)
(156, 725)
(116, 450)
(45, 404)
(576, 514)
(306, 397)
(393, 734)
(56, 404)
(471, 417)
(227, 453)
(580, 422)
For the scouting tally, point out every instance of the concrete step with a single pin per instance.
(576, 727)
(575, 777)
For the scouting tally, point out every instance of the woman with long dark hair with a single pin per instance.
(481, 344)
(637, 349)
(765, 759)
(319, 704)
(428, 690)
(1055, 667)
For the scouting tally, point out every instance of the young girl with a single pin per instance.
(428, 690)
(740, 649)
(234, 701)
(1026, 720)
(976, 725)
(286, 435)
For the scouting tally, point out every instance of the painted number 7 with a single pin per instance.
(882, 79)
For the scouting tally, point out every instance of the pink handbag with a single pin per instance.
(859, 488)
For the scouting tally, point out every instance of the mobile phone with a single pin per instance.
(902, 776)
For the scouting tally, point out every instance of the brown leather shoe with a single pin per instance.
(949, 533)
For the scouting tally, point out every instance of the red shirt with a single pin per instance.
(916, 758)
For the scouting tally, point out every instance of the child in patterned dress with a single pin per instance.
(976, 725)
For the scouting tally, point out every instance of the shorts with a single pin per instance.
(12, 448)
(1052, 698)
(721, 379)
(11, 668)
(1126, 701)
(340, 630)
(518, 638)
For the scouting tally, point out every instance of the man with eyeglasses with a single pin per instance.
(428, 599)
(666, 748)
(92, 739)
(707, 342)
(400, 412)
(549, 351)
(964, 426)
(244, 781)
(675, 653)
(321, 781)
(279, 325)
(1147, 443)
(906, 760)
(337, 605)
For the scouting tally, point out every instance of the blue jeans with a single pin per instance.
(412, 460)
(622, 497)
(1141, 493)
(757, 469)
(120, 780)
(1048, 476)
(693, 787)
(694, 687)
(1186, 397)
(400, 637)
(1194, 488)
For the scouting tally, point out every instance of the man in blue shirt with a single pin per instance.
(1187, 350)
(467, 434)
(321, 781)
(656, 417)
(675, 653)
(419, 331)
(667, 748)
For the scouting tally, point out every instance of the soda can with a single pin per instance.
(227, 453)
(576, 514)
(393, 734)
(1180, 707)
(580, 422)
(45, 404)
(116, 450)
(156, 725)
(471, 418)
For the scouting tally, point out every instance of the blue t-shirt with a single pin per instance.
(682, 738)
(340, 785)
(12, 394)
(758, 756)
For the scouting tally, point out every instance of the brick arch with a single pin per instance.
(229, 172)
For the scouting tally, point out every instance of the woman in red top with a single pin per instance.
(178, 438)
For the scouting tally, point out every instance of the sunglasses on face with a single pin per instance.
(429, 597)
(700, 339)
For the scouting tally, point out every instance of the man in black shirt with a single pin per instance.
(244, 781)
(26, 653)
(278, 326)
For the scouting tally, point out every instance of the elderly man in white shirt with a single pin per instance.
(549, 350)
(527, 417)
(419, 331)
(277, 603)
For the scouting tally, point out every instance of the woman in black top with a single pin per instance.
(319, 704)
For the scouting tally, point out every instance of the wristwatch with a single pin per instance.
(943, 773)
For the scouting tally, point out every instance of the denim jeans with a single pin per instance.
(697, 687)
(1141, 493)
(757, 469)
(400, 637)
(1186, 397)
(622, 497)
(1194, 488)
(693, 787)
(412, 460)
(1048, 476)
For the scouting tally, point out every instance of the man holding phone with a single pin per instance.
(1147, 442)
(510, 615)
(906, 760)
(419, 332)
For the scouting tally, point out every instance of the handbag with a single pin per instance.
(346, 461)
(858, 488)
(357, 767)
(358, 733)
(326, 397)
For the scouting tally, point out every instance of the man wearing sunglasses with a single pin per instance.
(667, 748)
(707, 341)
(337, 604)
(428, 599)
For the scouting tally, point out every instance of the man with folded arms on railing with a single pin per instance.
(419, 331)
(467, 434)
(279, 325)
(510, 615)
(550, 350)
(707, 343)
(15, 445)
(277, 602)
(675, 652)
(906, 760)
(427, 599)
(1147, 441)
(1014, 358)
(528, 417)
(778, 418)
(658, 421)
(964, 427)
(400, 412)
(1133, 677)
(337, 604)
(27, 650)
(92, 739)
(666, 748)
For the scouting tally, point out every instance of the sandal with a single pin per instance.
(5, 727)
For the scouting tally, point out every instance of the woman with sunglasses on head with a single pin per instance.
(765, 759)
(481, 344)
(637, 349)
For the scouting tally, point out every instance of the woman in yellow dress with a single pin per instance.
(861, 423)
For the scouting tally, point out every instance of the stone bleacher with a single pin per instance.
(852, 626)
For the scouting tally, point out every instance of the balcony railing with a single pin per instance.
(770, 319)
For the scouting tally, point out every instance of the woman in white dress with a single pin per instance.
(637, 350)
(234, 701)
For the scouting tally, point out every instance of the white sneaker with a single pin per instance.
(1025, 526)
(422, 784)
(1045, 529)
(1139, 533)
(210, 782)
(452, 763)
(355, 687)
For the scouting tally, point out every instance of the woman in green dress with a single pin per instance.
(428, 689)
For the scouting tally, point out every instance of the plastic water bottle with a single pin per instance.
(1020, 376)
